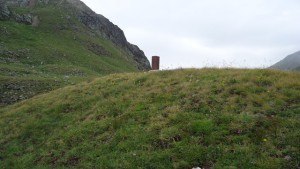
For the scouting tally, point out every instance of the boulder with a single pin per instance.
(4, 11)
(25, 18)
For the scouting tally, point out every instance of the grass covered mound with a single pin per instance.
(60, 51)
(30, 56)
(210, 118)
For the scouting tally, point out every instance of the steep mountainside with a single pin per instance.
(171, 119)
(291, 62)
(46, 44)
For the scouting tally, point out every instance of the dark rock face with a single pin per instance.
(139, 56)
(25, 18)
(97, 23)
(4, 11)
(103, 27)
(6, 14)
(108, 30)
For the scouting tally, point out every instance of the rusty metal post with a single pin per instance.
(155, 62)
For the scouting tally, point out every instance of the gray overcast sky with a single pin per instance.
(198, 33)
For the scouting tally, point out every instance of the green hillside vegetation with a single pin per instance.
(58, 52)
(210, 118)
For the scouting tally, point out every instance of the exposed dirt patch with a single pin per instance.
(35, 21)
(32, 3)
(73, 161)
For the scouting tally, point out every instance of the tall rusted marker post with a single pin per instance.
(155, 62)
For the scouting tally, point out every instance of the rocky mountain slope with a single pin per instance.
(170, 119)
(291, 62)
(46, 44)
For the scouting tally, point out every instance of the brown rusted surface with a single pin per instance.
(155, 62)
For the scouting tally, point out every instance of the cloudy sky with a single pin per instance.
(206, 33)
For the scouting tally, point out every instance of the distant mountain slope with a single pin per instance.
(291, 62)
(46, 44)
(206, 118)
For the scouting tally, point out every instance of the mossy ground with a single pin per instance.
(211, 118)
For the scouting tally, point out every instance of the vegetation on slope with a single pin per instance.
(59, 51)
(171, 119)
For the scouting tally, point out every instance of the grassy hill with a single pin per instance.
(210, 118)
(58, 50)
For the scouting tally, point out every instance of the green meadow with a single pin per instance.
(208, 118)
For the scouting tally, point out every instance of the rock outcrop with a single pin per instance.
(103, 27)
(97, 23)
(69, 44)
(4, 11)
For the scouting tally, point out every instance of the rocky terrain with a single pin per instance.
(97, 23)
(44, 40)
